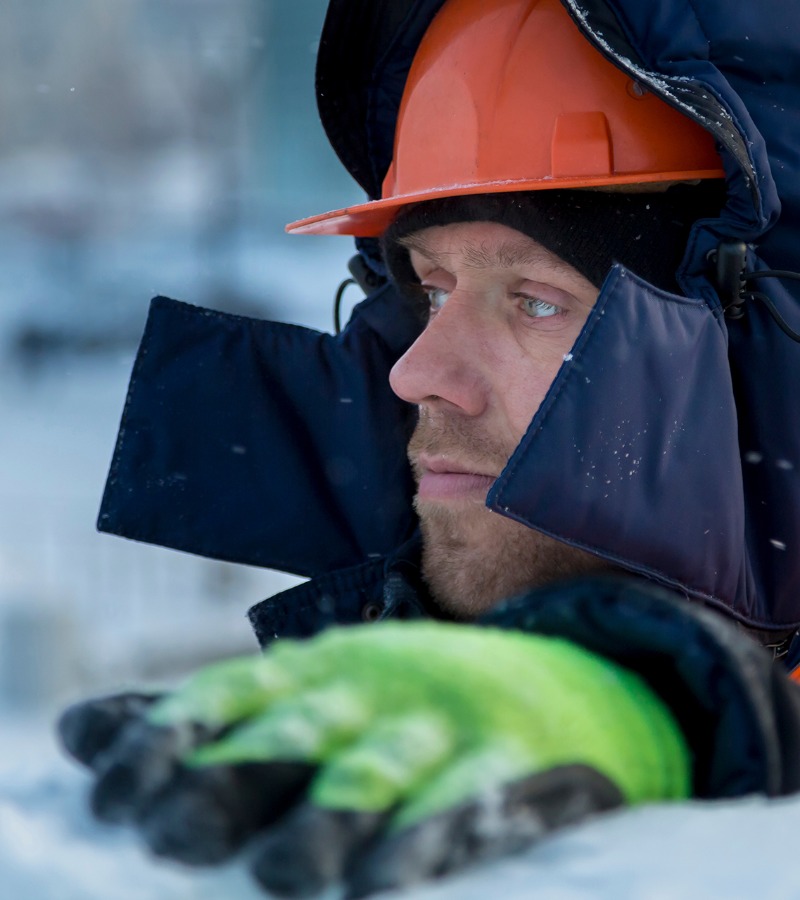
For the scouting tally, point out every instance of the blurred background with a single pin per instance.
(146, 147)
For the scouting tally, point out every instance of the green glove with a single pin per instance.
(390, 746)
(426, 714)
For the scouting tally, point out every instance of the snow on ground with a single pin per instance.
(51, 849)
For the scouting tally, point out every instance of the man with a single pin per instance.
(713, 501)
(573, 410)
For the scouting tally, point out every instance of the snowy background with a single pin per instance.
(159, 146)
(146, 146)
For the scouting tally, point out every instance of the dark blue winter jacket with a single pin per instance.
(669, 442)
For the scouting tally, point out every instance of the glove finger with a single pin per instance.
(224, 693)
(386, 765)
(204, 815)
(87, 729)
(308, 726)
(137, 765)
(144, 754)
(311, 849)
(352, 799)
(500, 822)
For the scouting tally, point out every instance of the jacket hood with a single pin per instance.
(719, 511)
(668, 443)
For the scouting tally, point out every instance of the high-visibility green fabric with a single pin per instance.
(423, 716)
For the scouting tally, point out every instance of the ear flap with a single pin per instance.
(634, 452)
(263, 443)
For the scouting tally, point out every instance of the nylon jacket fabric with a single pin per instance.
(250, 441)
(642, 448)
(705, 406)
(386, 588)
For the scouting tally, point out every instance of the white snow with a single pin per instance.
(51, 849)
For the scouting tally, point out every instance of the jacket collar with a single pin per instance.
(387, 588)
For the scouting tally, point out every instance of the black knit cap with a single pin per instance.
(590, 230)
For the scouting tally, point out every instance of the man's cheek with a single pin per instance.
(524, 394)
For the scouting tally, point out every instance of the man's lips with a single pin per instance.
(442, 479)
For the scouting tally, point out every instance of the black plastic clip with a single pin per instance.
(367, 280)
(729, 260)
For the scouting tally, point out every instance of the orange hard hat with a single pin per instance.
(508, 95)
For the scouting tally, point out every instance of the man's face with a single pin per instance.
(504, 311)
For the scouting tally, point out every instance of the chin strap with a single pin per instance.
(732, 282)
(763, 298)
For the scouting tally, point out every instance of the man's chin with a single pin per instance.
(473, 558)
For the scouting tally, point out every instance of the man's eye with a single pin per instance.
(436, 297)
(539, 309)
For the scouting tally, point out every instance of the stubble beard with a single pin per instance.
(472, 558)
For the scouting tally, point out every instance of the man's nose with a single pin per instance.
(444, 366)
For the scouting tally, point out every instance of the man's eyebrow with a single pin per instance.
(505, 255)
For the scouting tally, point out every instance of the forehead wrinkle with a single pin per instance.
(509, 254)
(505, 255)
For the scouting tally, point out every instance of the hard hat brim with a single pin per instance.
(371, 219)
